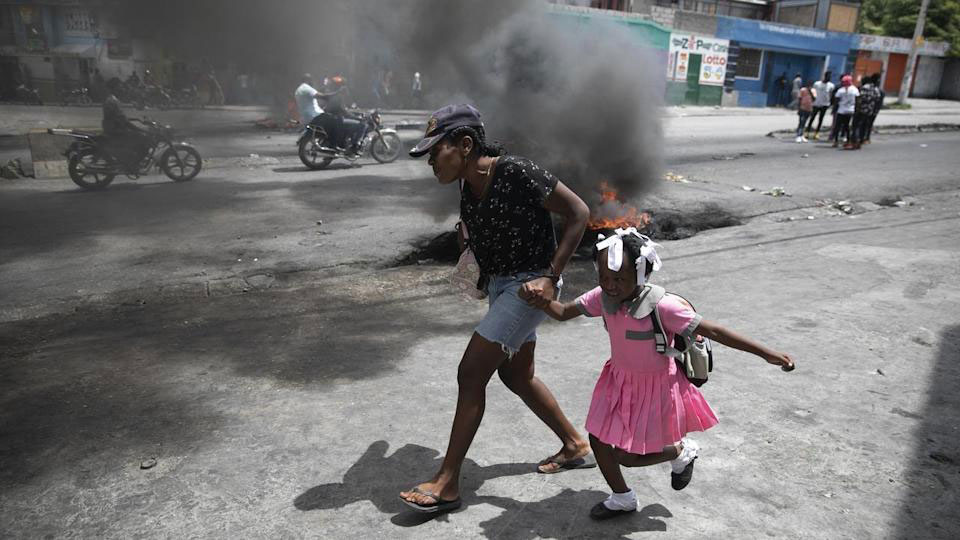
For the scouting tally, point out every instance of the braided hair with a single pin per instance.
(631, 250)
(480, 143)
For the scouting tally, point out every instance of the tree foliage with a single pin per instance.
(898, 18)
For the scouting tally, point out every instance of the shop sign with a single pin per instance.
(901, 45)
(713, 58)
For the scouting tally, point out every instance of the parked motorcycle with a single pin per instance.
(187, 97)
(92, 164)
(157, 97)
(77, 96)
(317, 151)
(27, 95)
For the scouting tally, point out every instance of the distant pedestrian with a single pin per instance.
(804, 109)
(795, 90)
(823, 91)
(881, 96)
(643, 406)
(416, 91)
(867, 105)
(781, 88)
(846, 106)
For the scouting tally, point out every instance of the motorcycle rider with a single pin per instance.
(346, 124)
(128, 142)
(331, 116)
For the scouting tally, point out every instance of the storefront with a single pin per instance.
(888, 56)
(770, 55)
(696, 69)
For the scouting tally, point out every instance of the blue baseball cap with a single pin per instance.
(443, 121)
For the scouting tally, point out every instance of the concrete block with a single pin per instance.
(46, 152)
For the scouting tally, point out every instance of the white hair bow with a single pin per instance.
(614, 247)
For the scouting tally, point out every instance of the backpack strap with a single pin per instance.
(660, 337)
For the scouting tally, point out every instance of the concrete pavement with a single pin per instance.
(300, 411)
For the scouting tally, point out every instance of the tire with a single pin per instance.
(385, 147)
(181, 163)
(311, 159)
(87, 180)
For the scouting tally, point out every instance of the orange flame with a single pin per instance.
(612, 213)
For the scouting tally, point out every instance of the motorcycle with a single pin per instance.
(28, 95)
(317, 151)
(157, 97)
(92, 165)
(187, 97)
(77, 96)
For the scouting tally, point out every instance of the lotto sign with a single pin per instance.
(713, 68)
(713, 61)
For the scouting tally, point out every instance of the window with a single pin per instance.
(748, 63)
(843, 17)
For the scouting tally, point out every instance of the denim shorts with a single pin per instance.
(510, 322)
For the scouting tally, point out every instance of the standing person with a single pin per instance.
(506, 204)
(795, 90)
(781, 84)
(804, 109)
(416, 91)
(643, 407)
(881, 95)
(846, 105)
(867, 106)
(823, 91)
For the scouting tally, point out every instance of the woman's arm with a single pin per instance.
(728, 337)
(565, 202)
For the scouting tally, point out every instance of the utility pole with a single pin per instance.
(912, 61)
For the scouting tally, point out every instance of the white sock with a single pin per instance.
(621, 501)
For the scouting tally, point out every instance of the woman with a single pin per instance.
(804, 108)
(506, 204)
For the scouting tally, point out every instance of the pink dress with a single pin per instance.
(641, 402)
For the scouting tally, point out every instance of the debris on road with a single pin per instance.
(748, 188)
(880, 372)
(13, 170)
(672, 177)
(776, 192)
(805, 155)
(148, 463)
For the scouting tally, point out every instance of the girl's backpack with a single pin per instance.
(694, 357)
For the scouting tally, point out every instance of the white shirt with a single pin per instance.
(847, 99)
(824, 89)
(306, 103)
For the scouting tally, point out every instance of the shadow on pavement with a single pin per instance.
(93, 391)
(174, 219)
(378, 478)
(931, 503)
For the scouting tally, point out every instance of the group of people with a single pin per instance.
(854, 109)
(643, 406)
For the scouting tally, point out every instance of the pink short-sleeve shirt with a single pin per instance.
(632, 346)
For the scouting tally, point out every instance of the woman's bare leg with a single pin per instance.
(518, 375)
(479, 361)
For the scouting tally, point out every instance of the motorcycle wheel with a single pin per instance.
(82, 161)
(385, 147)
(181, 163)
(310, 157)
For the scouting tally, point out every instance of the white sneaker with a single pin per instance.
(799, 139)
(804, 139)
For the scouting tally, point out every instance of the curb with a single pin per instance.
(889, 129)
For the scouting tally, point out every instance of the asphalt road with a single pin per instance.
(236, 357)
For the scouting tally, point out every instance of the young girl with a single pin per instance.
(642, 406)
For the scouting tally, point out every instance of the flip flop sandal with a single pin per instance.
(439, 505)
(585, 462)
(600, 512)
